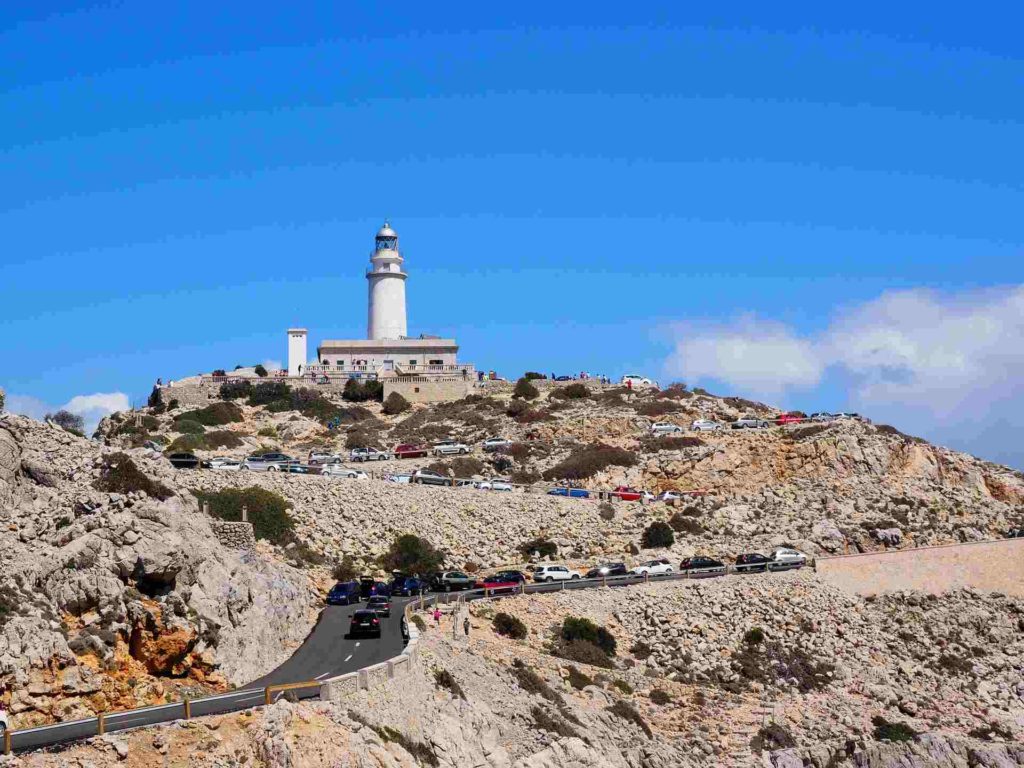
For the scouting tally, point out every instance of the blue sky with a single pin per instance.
(814, 206)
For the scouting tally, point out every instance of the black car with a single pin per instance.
(751, 562)
(183, 460)
(699, 567)
(607, 570)
(364, 622)
(408, 585)
(344, 593)
(517, 576)
(1015, 533)
(380, 604)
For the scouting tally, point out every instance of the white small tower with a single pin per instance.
(386, 316)
(296, 351)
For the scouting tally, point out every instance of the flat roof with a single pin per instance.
(389, 343)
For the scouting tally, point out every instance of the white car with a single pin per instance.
(225, 464)
(553, 573)
(450, 448)
(492, 444)
(653, 567)
(337, 470)
(322, 457)
(664, 428)
(404, 479)
(494, 484)
(705, 425)
(5, 722)
(634, 380)
(669, 496)
(784, 558)
(367, 454)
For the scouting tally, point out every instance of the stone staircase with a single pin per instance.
(740, 754)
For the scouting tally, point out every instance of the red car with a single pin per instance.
(626, 493)
(410, 451)
(790, 418)
(499, 582)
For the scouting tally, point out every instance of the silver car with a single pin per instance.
(705, 425)
(450, 448)
(367, 454)
(750, 422)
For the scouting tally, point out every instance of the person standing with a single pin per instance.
(437, 616)
(465, 626)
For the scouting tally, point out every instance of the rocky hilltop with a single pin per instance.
(111, 599)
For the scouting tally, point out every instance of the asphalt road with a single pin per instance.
(327, 652)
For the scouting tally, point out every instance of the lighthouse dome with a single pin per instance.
(386, 231)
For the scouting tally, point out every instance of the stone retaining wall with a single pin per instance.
(233, 533)
(989, 566)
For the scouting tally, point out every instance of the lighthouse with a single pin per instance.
(386, 315)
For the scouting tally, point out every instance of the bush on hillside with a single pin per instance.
(579, 628)
(463, 466)
(267, 511)
(533, 683)
(532, 416)
(571, 392)
(525, 476)
(626, 711)
(587, 461)
(72, 422)
(445, 679)
(260, 371)
(410, 554)
(659, 697)
(747, 406)
(186, 444)
(235, 390)
(533, 376)
(267, 392)
(189, 427)
(676, 389)
(892, 731)
(770, 663)
(772, 737)
(395, 404)
(363, 436)
(222, 438)
(657, 407)
(681, 523)
(582, 652)
(213, 415)
(344, 569)
(359, 391)
(579, 680)
(509, 626)
(119, 474)
(657, 535)
(543, 548)
(524, 390)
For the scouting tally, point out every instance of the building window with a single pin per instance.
(437, 362)
(412, 362)
(416, 389)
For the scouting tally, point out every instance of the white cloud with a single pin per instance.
(272, 365)
(92, 407)
(947, 366)
(27, 405)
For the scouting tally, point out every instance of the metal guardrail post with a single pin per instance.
(187, 703)
(101, 726)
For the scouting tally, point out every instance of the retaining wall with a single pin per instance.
(989, 566)
(234, 533)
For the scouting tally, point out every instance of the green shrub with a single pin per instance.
(268, 511)
(588, 461)
(582, 652)
(627, 712)
(395, 404)
(223, 438)
(509, 626)
(445, 679)
(656, 443)
(641, 650)
(623, 686)
(543, 548)
(571, 392)
(235, 390)
(551, 724)
(260, 371)
(769, 662)
(411, 554)
(579, 628)
(657, 535)
(270, 431)
(579, 680)
(358, 391)
(533, 376)
(119, 474)
(68, 421)
(173, 404)
(344, 569)
(421, 625)
(754, 636)
(889, 731)
(267, 392)
(309, 403)
(213, 415)
(524, 390)
(531, 682)
(189, 427)
(681, 523)
(659, 697)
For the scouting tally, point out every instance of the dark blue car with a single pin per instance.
(344, 593)
(409, 585)
(573, 493)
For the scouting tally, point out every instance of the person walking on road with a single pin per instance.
(437, 616)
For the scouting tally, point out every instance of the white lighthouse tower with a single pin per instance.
(386, 316)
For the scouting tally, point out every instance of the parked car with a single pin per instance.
(552, 573)
(339, 470)
(573, 493)
(562, 378)
(322, 457)
(493, 484)
(450, 580)
(607, 570)
(653, 567)
(367, 454)
(626, 493)
(225, 464)
(517, 576)
(1015, 533)
(750, 422)
(364, 622)
(785, 558)
(669, 496)
(410, 451)
(369, 586)
(380, 604)
(794, 417)
(398, 478)
(297, 468)
(498, 582)
(450, 448)
(634, 380)
(265, 462)
(751, 562)
(705, 425)
(851, 417)
(665, 428)
(344, 593)
(183, 460)
(408, 586)
(702, 566)
(492, 444)
(5, 722)
(430, 477)
(822, 416)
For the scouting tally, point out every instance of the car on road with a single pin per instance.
(608, 571)
(429, 477)
(562, 378)
(626, 493)
(653, 567)
(665, 428)
(705, 425)
(634, 380)
(446, 581)
(322, 457)
(367, 454)
(702, 566)
(750, 422)
(410, 451)
(450, 448)
(785, 558)
(751, 562)
(364, 622)
(265, 462)
(497, 582)
(297, 468)
(223, 464)
(492, 444)
(572, 493)
(344, 593)
(396, 477)
(669, 496)
(517, 576)
(850, 417)
(338, 470)
(407, 586)
(183, 460)
(381, 604)
(493, 484)
(822, 416)
(793, 417)
(552, 573)
(1015, 533)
